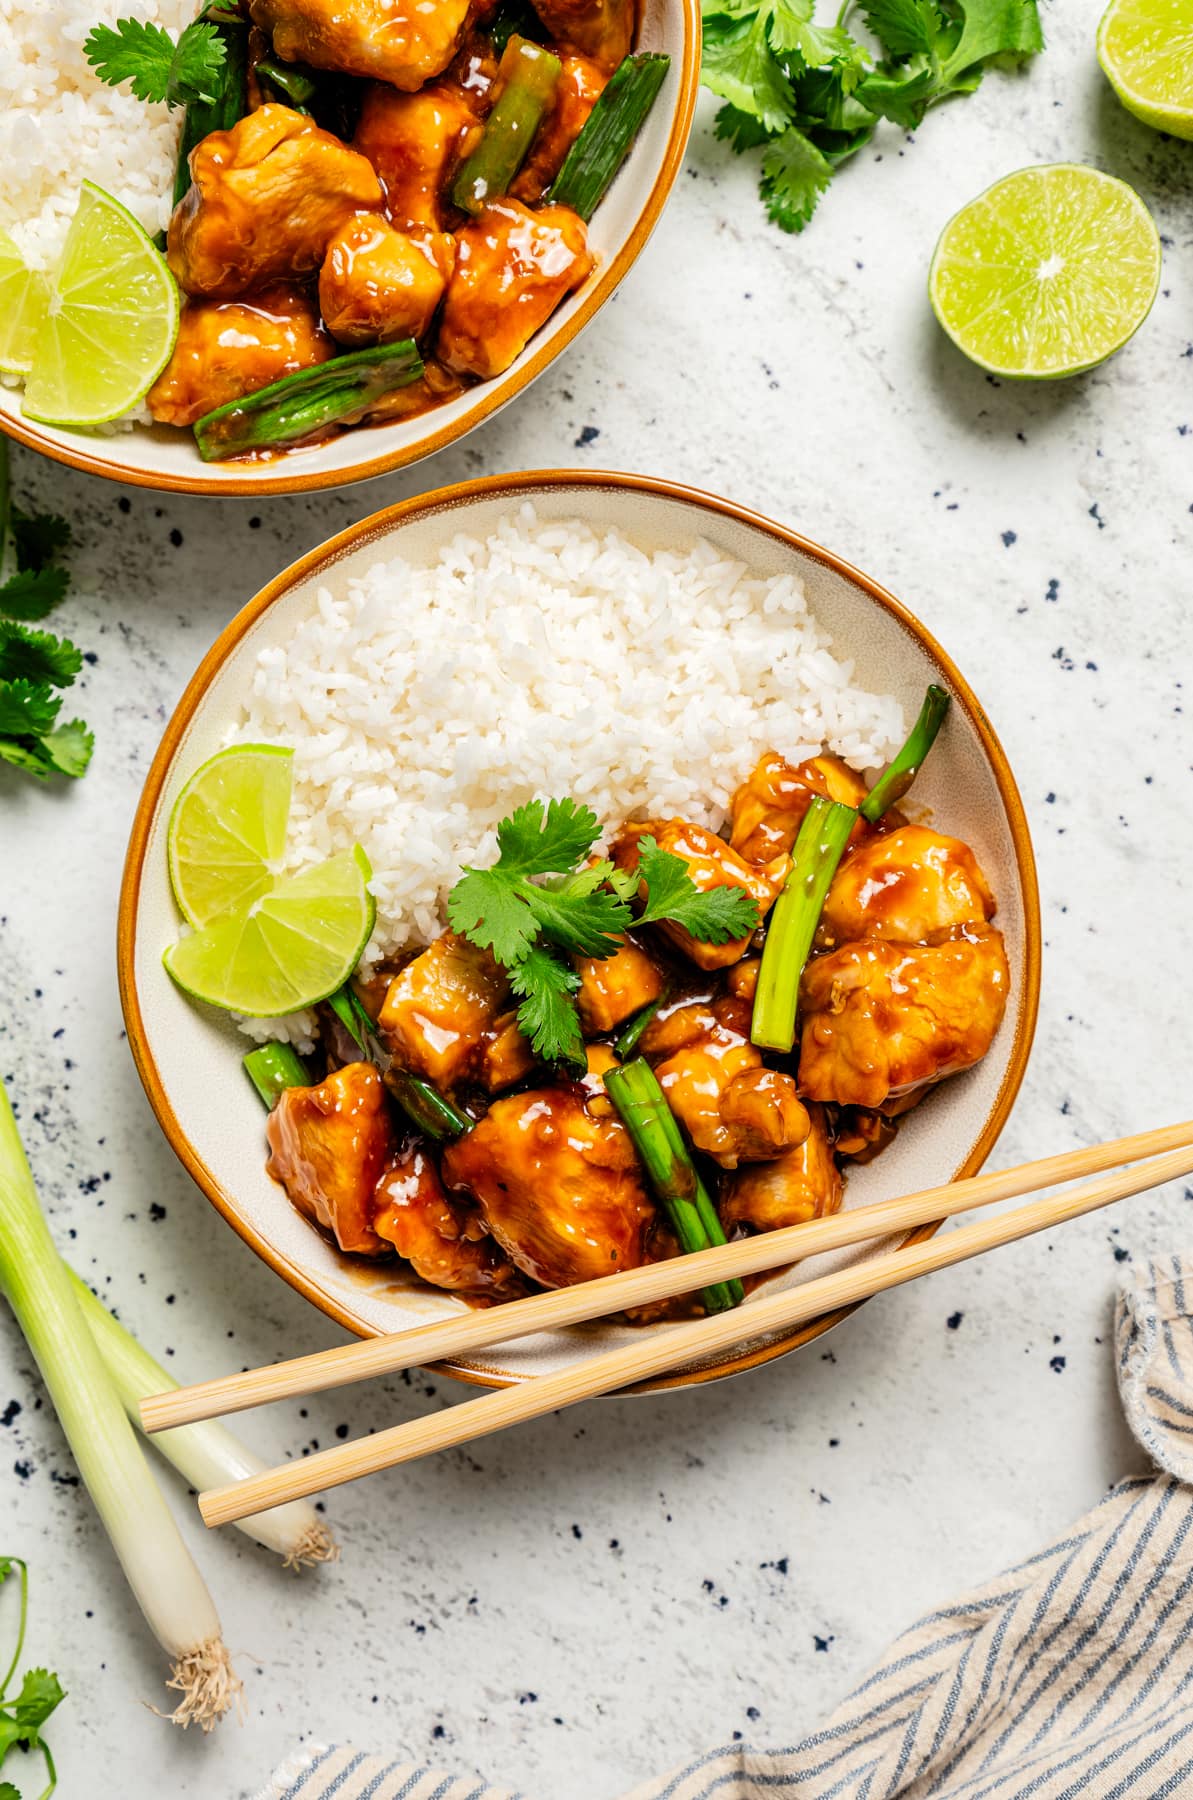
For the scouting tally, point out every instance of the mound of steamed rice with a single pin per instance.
(59, 123)
(430, 700)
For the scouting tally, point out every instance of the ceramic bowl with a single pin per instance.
(159, 457)
(189, 1057)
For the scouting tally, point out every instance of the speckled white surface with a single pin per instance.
(573, 1606)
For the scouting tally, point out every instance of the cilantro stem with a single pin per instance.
(899, 774)
(818, 850)
(22, 1617)
(642, 1104)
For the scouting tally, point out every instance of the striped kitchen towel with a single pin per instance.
(1070, 1675)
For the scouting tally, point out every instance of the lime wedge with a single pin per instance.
(24, 297)
(296, 945)
(228, 830)
(1145, 48)
(111, 323)
(1048, 272)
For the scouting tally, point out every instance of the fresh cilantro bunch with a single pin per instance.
(809, 96)
(23, 1715)
(183, 72)
(34, 664)
(536, 902)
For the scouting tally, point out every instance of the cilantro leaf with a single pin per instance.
(903, 27)
(37, 655)
(146, 56)
(792, 32)
(713, 916)
(8, 1792)
(485, 908)
(741, 67)
(38, 537)
(40, 1693)
(586, 924)
(544, 841)
(32, 593)
(547, 1013)
(992, 28)
(26, 709)
(794, 176)
(21, 757)
(902, 93)
(742, 130)
(69, 748)
(7, 1565)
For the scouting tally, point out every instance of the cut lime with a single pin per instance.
(24, 297)
(1145, 48)
(228, 830)
(1048, 272)
(111, 322)
(287, 950)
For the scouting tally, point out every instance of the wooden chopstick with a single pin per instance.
(670, 1348)
(425, 1344)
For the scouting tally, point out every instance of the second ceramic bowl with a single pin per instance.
(189, 1059)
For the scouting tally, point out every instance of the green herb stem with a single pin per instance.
(425, 1106)
(642, 1104)
(272, 1068)
(298, 406)
(902, 771)
(608, 133)
(530, 74)
(819, 847)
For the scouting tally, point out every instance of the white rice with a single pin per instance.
(59, 122)
(430, 700)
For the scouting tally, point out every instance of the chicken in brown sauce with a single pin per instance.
(540, 1182)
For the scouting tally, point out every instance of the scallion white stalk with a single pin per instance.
(156, 1562)
(206, 1454)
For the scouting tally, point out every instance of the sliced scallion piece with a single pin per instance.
(227, 106)
(529, 74)
(425, 1106)
(608, 133)
(819, 847)
(899, 774)
(296, 407)
(297, 84)
(272, 1068)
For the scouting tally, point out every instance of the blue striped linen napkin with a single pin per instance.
(1069, 1676)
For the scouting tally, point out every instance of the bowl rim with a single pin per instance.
(494, 394)
(515, 486)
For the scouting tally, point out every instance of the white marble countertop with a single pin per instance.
(571, 1607)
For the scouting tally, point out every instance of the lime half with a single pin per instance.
(296, 945)
(1145, 48)
(24, 298)
(111, 321)
(1048, 272)
(228, 830)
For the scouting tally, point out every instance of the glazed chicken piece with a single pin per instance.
(613, 988)
(768, 808)
(266, 199)
(444, 1241)
(414, 142)
(226, 348)
(378, 285)
(576, 93)
(446, 1017)
(600, 29)
(328, 1146)
(905, 885)
(711, 863)
(882, 1020)
(558, 1182)
(731, 1106)
(404, 42)
(513, 267)
(804, 1183)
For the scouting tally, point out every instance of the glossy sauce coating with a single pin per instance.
(513, 267)
(404, 42)
(227, 348)
(328, 1146)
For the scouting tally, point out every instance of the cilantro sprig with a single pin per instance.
(181, 72)
(535, 903)
(23, 1714)
(35, 665)
(810, 96)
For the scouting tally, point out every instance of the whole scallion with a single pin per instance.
(156, 1562)
(207, 1454)
(608, 133)
(299, 406)
(642, 1104)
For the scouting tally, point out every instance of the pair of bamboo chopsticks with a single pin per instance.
(1157, 1156)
